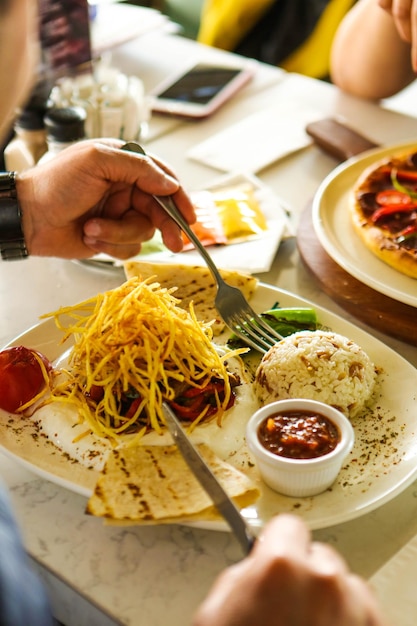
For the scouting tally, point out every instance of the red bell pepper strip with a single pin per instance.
(407, 175)
(96, 393)
(193, 401)
(133, 407)
(407, 233)
(410, 175)
(189, 411)
(399, 187)
(385, 211)
(210, 388)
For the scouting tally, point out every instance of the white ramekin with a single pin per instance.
(299, 477)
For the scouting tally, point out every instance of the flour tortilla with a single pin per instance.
(194, 284)
(153, 484)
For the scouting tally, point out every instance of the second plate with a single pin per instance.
(336, 234)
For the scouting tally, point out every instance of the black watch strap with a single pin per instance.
(12, 241)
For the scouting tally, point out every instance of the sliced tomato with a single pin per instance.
(392, 196)
(21, 376)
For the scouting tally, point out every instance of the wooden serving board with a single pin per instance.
(375, 309)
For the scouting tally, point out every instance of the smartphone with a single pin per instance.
(200, 90)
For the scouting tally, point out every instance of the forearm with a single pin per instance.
(368, 58)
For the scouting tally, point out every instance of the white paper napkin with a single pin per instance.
(258, 140)
(396, 586)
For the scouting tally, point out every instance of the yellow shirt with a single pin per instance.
(225, 22)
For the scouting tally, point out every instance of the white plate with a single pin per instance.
(333, 228)
(383, 462)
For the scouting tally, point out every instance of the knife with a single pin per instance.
(208, 481)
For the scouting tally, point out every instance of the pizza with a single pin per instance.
(383, 210)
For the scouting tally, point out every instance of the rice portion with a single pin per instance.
(317, 365)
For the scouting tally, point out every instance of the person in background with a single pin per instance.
(293, 34)
(374, 53)
(22, 597)
(92, 198)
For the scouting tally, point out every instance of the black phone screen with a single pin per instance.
(200, 84)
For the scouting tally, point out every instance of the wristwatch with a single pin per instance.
(12, 241)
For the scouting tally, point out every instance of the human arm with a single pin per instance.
(369, 58)
(404, 15)
(23, 599)
(94, 197)
(288, 580)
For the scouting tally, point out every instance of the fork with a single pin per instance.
(230, 302)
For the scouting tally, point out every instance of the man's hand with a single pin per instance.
(94, 197)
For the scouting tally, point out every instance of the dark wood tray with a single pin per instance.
(375, 309)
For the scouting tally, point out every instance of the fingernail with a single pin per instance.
(92, 229)
(170, 181)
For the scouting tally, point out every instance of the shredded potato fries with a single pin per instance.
(134, 339)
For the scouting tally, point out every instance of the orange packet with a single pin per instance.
(208, 227)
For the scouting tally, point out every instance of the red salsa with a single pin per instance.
(298, 434)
